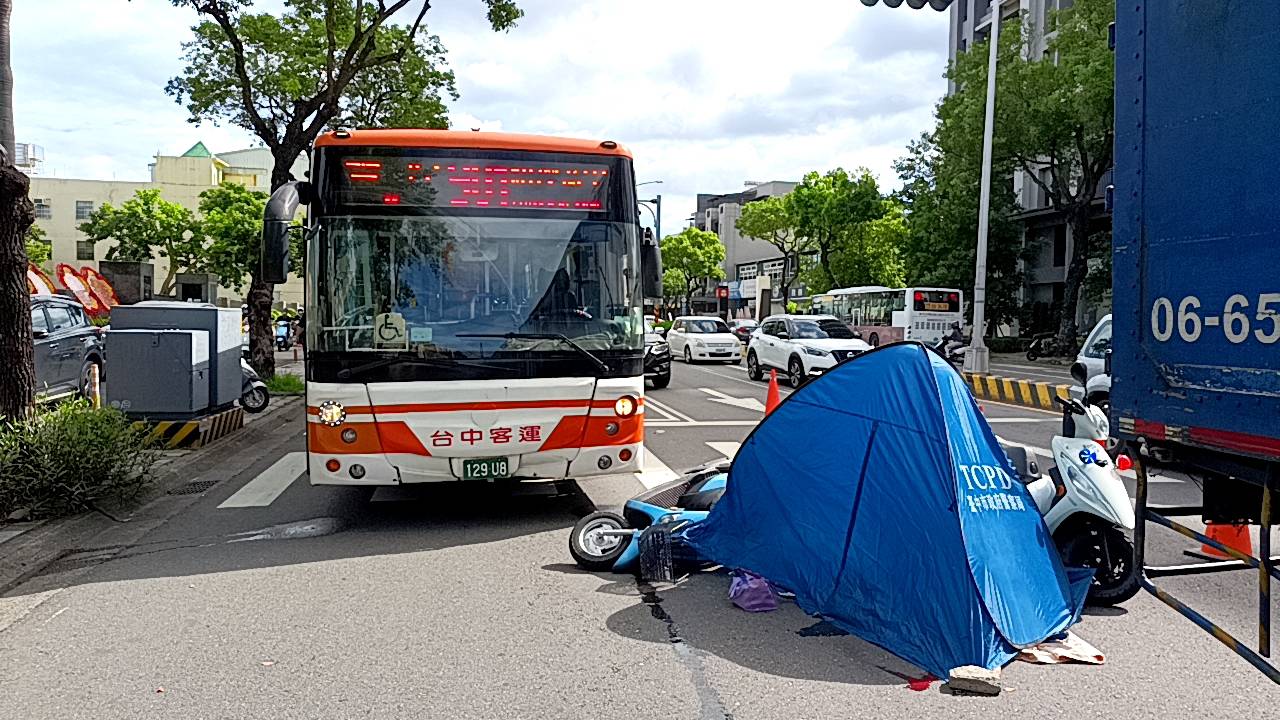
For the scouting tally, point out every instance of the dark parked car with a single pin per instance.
(66, 346)
(657, 360)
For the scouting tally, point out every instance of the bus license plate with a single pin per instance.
(941, 307)
(485, 468)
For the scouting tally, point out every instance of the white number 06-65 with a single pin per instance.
(1234, 322)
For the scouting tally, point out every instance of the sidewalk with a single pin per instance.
(26, 548)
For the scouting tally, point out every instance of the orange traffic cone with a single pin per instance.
(773, 398)
(1235, 537)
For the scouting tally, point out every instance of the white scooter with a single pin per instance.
(253, 392)
(1084, 502)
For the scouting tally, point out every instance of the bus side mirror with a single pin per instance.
(276, 221)
(650, 267)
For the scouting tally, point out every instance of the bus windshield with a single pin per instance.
(431, 284)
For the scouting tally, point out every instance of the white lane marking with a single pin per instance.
(993, 421)
(669, 411)
(727, 449)
(654, 472)
(744, 403)
(652, 408)
(704, 423)
(762, 385)
(264, 489)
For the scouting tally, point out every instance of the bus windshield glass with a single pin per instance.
(431, 284)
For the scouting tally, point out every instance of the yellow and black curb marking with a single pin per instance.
(1016, 391)
(172, 434)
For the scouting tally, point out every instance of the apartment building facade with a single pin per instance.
(1046, 235)
(745, 259)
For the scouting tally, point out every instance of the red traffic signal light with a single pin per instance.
(722, 292)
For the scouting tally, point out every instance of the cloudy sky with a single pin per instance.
(707, 93)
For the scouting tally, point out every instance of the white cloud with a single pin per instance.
(707, 93)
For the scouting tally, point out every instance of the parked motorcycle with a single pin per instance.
(1084, 502)
(1048, 345)
(253, 392)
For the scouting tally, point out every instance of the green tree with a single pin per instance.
(39, 251)
(1054, 121)
(940, 199)
(673, 286)
(773, 221)
(696, 255)
(319, 63)
(869, 253)
(826, 209)
(231, 225)
(146, 226)
(17, 213)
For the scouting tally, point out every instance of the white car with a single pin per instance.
(800, 344)
(703, 338)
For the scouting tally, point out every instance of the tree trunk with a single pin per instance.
(18, 380)
(6, 88)
(262, 340)
(166, 287)
(1077, 268)
(824, 259)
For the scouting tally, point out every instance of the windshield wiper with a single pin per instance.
(543, 336)
(346, 373)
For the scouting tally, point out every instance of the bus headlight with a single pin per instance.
(332, 413)
(625, 406)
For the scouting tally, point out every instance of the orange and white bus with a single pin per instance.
(474, 306)
(884, 315)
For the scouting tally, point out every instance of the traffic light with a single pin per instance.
(938, 5)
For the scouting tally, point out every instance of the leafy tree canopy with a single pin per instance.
(826, 208)
(146, 226)
(39, 251)
(696, 254)
(231, 223)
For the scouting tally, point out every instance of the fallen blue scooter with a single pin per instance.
(648, 537)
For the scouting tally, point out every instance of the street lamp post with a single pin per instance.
(977, 359)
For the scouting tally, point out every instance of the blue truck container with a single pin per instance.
(1196, 265)
(1195, 358)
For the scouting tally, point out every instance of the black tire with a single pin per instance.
(593, 556)
(688, 355)
(661, 381)
(754, 371)
(256, 400)
(1095, 546)
(84, 377)
(1032, 355)
(795, 371)
(874, 340)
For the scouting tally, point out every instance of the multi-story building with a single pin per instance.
(62, 204)
(1046, 234)
(745, 259)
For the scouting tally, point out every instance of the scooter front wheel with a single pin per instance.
(591, 548)
(1110, 554)
(255, 400)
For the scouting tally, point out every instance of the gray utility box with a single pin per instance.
(160, 374)
(221, 326)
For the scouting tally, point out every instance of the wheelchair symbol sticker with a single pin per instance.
(388, 332)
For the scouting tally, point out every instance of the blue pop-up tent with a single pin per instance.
(879, 495)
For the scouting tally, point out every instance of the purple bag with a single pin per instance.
(751, 592)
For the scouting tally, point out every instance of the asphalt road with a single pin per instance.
(270, 598)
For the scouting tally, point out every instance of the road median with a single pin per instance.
(1016, 391)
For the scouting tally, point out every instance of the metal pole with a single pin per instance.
(657, 218)
(978, 359)
(1264, 570)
